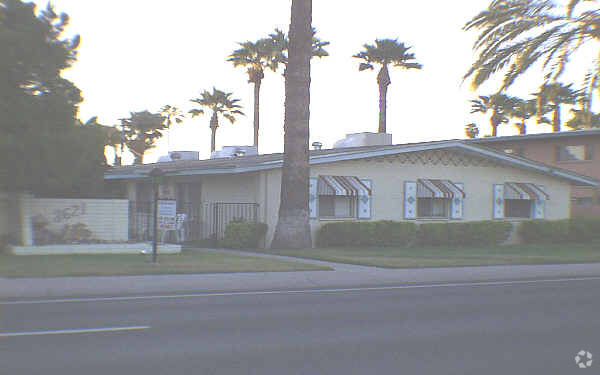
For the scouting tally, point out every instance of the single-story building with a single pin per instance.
(433, 181)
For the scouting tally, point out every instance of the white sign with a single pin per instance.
(167, 214)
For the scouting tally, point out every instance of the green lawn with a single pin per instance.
(188, 262)
(450, 257)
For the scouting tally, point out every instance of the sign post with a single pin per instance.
(157, 176)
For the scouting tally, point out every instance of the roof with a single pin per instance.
(245, 164)
(540, 136)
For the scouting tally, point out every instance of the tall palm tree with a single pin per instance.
(497, 104)
(280, 43)
(384, 53)
(583, 120)
(141, 130)
(515, 34)
(293, 229)
(221, 104)
(256, 57)
(172, 116)
(471, 130)
(552, 96)
(522, 110)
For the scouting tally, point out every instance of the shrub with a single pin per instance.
(474, 233)
(381, 233)
(244, 235)
(578, 229)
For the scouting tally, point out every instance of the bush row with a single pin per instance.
(577, 229)
(387, 233)
(367, 233)
(244, 235)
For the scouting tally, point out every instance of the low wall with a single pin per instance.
(107, 219)
(129, 248)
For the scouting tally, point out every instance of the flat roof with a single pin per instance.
(528, 137)
(253, 163)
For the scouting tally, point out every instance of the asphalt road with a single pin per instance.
(488, 328)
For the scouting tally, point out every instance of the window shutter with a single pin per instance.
(410, 200)
(539, 207)
(313, 199)
(364, 201)
(457, 204)
(499, 201)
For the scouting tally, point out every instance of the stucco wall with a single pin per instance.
(242, 188)
(388, 176)
(108, 219)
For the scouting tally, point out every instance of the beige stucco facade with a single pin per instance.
(388, 174)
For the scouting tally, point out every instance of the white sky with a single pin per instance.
(143, 54)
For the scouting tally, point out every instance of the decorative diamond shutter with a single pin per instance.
(364, 201)
(457, 204)
(539, 207)
(410, 200)
(498, 201)
(312, 197)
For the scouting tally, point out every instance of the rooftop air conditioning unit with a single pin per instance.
(234, 151)
(364, 139)
(179, 155)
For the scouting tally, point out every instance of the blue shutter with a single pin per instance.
(539, 207)
(313, 198)
(410, 200)
(498, 201)
(457, 204)
(364, 201)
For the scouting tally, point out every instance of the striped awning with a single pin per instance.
(341, 185)
(522, 190)
(429, 188)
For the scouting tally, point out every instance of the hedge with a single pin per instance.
(383, 233)
(244, 235)
(474, 233)
(578, 229)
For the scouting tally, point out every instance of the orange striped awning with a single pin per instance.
(523, 190)
(430, 188)
(341, 185)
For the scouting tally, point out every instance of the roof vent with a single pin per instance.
(179, 155)
(234, 151)
(317, 145)
(364, 139)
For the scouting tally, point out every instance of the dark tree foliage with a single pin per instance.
(43, 149)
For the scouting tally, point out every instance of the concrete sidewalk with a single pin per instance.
(343, 276)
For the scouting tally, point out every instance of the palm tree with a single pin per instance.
(583, 120)
(522, 110)
(471, 130)
(220, 103)
(515, 34)
(552, 96)
(497, 104)
(384, 53)
(141, 131)
(279, 45)
(293, 229)
(172, 116)
(256, 57)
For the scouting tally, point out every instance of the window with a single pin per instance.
(574, 153)
(433, 207)
(518, 208)
(585, 201)
(335, 206)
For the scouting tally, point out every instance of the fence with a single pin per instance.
(202, 220)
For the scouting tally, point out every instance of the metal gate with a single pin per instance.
(201, 221)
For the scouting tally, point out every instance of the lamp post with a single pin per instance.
(157, 178)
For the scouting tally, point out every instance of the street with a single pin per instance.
(533, 327)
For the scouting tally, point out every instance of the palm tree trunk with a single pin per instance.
(256, 112)
(214, 124)
(523, 128)
(383, 80)
(556, 118)
(293, 229)
(494, 126)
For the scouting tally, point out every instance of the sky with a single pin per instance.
(143, 54)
